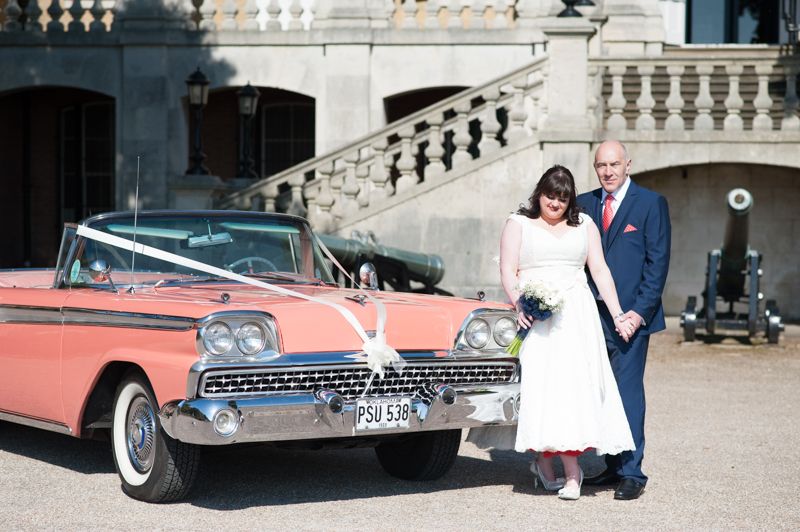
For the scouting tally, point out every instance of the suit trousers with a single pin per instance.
(628, 363)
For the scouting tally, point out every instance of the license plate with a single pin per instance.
(381, 413)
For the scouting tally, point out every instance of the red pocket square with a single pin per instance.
(629, 228)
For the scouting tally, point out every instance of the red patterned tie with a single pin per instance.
(608, 212)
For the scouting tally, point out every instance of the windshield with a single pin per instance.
(276, 248)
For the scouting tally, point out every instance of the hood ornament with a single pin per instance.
(358, 298)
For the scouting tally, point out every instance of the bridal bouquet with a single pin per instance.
(538, 301)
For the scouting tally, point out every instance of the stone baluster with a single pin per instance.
(76, 12)
(296, 12)
(617, 101)
(270, 195)
(490, 127)
(675, 101)
(296, 205)
(98, 12)
(733, 103)
(55, 11)
(517, 114)
(501, 9)
(454, 10)
(249, 13)
(33, 13)
(593, 94)
(704, 101)
(13, 12)
(478, 19)
(378, 173)
(324, 219)
(310, 193)
(410, 14)
(645, 101)
(462, 138)
(337, 180)
(762, 102)
(540, 108)
(350, 184)
(435, 150)
(228, 15)
(406, 163)
(432, 14)
(207, 11)
(790, 121)
(273, 15)
(362, 172)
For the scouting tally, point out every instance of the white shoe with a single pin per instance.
(571, 493)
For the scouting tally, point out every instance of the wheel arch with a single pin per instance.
(97, 411)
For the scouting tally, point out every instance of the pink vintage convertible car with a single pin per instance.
(226, 327)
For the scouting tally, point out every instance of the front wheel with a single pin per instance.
(424, 456)
(152, 466)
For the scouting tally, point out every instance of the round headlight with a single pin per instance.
(504, 331)
(250, 338)
(477, 333)
(218, 338)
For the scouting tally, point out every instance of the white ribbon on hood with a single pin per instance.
(379, 353)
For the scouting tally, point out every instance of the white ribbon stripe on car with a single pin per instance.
(379, 353)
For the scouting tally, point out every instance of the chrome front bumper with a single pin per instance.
(308, 416)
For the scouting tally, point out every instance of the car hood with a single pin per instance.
(414, 321)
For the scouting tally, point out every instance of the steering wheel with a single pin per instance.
(249, 261)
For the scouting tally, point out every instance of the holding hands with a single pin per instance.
(626, 324)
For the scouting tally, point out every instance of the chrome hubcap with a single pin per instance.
(141, 431)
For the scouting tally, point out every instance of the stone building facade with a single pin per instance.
(425, 122)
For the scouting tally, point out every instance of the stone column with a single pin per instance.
(634, 27)
(566, 132)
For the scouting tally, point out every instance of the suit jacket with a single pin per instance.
(636, 248)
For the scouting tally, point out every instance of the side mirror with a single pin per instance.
(99, 270)
(368, 276)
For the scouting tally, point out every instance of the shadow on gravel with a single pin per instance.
(82, 456)
(240, 477)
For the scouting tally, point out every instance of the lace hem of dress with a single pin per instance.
(598, 448)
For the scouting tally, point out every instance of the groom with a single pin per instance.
(635, 228)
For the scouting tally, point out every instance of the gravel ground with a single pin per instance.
(722, 453)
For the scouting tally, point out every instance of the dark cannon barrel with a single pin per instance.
(735, 246)
(422, 267)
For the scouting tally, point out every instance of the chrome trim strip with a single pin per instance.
(35, 423)
(19, 314)
(107, 318)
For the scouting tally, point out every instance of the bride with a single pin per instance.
(569, 398)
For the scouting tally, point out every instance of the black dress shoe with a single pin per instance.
(628, 489)
(606, 478)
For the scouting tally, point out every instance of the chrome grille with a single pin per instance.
(349, 381)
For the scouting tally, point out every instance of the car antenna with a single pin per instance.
(131, 290)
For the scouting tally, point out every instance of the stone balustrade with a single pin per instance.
(420, 148)
(699, 92)
(256, 15)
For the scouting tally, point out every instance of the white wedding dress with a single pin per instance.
(569, 397)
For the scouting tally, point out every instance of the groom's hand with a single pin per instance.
(635, 319)
(624, 328)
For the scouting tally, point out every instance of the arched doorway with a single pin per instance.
(57, 153)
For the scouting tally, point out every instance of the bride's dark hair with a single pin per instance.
(556, 181)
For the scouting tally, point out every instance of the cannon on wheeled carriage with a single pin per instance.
(732, 278)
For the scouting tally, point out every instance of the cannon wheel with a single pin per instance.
(689, 320)
(773, 321)
(425, 456)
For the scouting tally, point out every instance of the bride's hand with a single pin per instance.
(625, 328)
(523, 319)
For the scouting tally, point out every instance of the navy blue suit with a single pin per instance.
(636, 248)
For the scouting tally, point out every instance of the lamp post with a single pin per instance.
(197, 85)
(248, 104)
